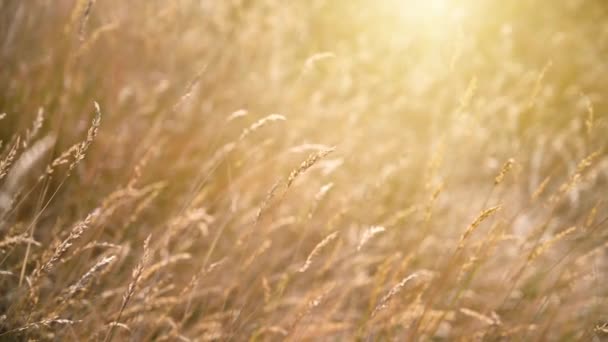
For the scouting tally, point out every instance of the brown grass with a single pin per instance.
(149, 193)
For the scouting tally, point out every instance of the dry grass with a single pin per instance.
(149, 193)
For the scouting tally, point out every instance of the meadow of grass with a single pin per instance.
(198, 170)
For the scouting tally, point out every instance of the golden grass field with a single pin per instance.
(321, 170)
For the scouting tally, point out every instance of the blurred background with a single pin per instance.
(211, 110)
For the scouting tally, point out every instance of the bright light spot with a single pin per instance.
(428, 10)
(435, 20)
(434, 13)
